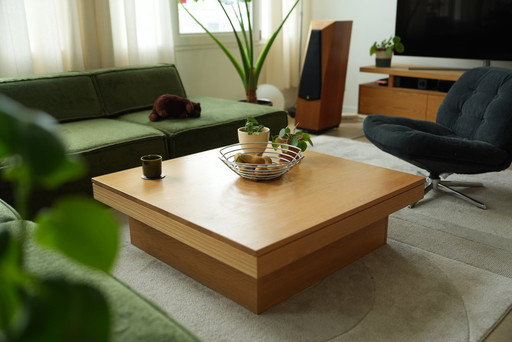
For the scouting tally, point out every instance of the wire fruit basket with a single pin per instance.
(247, 162)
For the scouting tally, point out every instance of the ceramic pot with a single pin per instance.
(382, 59)
(289, 154)
(256, 143)
(263, 102)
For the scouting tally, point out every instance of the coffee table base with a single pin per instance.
(259, 294)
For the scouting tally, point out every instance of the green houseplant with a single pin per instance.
(253, 132)
(252, 126)
(49, 309)
(248, 67)
(384, 50)
(292, 137)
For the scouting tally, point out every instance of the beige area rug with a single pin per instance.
(445, 275)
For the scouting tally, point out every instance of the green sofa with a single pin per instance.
(103, 116)
(133, 317)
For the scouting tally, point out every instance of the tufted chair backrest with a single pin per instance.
(479, 106)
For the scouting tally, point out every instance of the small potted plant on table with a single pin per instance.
(252, 134)
(384, 50)
(294, 142)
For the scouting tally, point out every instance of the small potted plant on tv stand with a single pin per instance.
(384, 50)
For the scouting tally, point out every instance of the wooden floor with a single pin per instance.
(351, 127)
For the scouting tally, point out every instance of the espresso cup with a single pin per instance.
(151, 166)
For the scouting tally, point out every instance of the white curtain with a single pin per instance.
(15, 56)
(282, 67)
(45, 36)
(142, 31)
(38, 36)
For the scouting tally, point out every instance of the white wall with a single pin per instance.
(206, 71)
(373, 20)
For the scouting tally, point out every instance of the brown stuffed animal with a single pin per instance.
(173, 106)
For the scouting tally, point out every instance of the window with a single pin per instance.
(210, 14)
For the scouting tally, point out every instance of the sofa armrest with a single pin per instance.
(8, 213)
(133, 317)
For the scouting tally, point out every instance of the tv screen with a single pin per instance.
(470, 29)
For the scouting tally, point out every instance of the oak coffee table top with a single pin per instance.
(256, 231)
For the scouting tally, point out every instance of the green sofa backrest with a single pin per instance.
(90, 94)
(66, 96)
(125, 90)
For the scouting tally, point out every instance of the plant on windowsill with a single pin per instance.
(34, 307)
(384, 50)
(248, 67)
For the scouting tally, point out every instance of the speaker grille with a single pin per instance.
(310, 86)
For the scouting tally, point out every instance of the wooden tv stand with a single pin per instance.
(413, 103)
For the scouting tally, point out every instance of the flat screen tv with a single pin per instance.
(469, 29)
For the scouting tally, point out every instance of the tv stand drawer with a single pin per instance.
(419, 104)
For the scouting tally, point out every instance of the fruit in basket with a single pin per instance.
(276, 167)
(262, 166)
(249, 158)
(240, 159)
(257, 166)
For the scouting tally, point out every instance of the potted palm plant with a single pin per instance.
(248, 67)
(384, 50)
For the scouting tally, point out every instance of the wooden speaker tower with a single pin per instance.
(322, 82)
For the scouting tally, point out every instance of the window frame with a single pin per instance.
(182, 40)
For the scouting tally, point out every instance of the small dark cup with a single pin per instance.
(151, 166)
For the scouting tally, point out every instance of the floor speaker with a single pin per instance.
(322, 81)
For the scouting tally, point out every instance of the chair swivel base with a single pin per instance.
(445, 186)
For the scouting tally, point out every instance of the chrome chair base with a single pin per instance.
(436, 184)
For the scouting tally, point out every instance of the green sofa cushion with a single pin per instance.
(65, 96)
(111, 145)
(128, 89)
(134, 318)
(216, 127)
(106, 146)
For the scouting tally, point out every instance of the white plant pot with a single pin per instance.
(258, 142)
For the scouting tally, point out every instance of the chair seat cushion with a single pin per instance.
(432, 146)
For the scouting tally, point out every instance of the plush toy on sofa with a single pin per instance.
(173, 106)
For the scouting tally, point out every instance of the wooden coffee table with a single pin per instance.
(259, 243)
